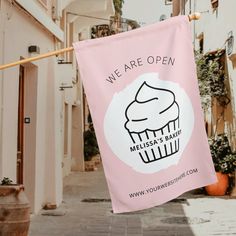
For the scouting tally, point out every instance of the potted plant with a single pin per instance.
(91, 149)
(225, 164)
(213, 91)
(14, 209)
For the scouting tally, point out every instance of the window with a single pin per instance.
(201, 42)
(99, 31)
(214, 4)
(168, 2)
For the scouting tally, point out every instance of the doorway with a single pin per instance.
(20, 132)
(26, 133)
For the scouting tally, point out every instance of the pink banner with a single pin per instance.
(142, 91)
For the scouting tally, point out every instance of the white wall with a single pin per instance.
(146, 12)
(9, 124)
(1, 86)
(53, 170)
(74, 159)
(19, 32)
(216, 26)
(43, 154)
(87, 6)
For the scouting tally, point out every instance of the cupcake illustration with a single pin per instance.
(152, 122)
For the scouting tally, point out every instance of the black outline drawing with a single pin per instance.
(174, 146)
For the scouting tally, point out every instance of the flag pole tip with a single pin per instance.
(194, 16)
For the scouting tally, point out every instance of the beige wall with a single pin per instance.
(215, 26)
(44, 159)
(30, 110)
(9, 124)
(40, 91)
(74, 159)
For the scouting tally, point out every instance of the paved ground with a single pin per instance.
(186, 216)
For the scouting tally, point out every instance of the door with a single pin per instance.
(20, 135)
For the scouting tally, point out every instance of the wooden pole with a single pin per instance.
(48, 54)
(194, 16)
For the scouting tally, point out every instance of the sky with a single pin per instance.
(143, 11)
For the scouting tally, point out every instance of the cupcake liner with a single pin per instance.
(161, 150)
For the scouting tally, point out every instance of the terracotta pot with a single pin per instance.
(219, 188)
(14, 211)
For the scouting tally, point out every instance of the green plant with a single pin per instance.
(223, 158)
(211, 78)
(6, 181)
(90, 142)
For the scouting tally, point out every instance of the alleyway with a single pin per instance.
(181, 217)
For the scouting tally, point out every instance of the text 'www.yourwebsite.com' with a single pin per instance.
(164, 185)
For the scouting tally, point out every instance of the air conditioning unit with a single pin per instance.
(56, 9)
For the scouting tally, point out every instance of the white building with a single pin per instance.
(41, 103)
(215, 32)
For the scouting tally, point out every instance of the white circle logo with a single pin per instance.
(149, 123)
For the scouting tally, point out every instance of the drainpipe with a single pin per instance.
(2, 98)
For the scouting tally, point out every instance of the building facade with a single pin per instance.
(214, 34)
(41, 103)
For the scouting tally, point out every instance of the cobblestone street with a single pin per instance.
(86, 211)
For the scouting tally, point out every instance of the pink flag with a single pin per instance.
(143, 95)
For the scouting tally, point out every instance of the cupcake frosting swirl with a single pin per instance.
(152, 109)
